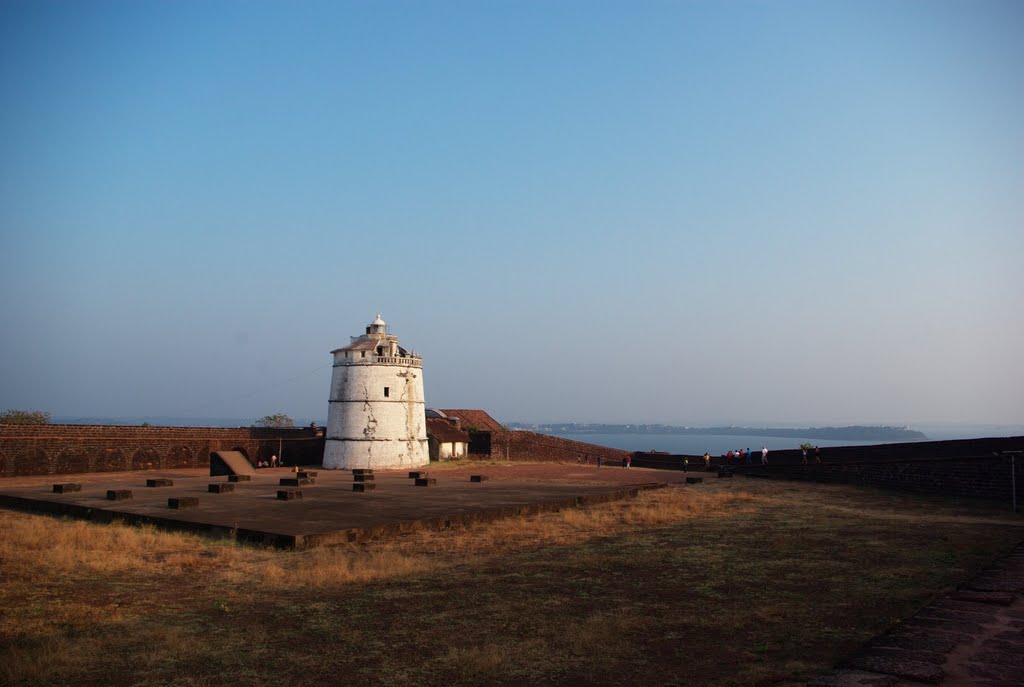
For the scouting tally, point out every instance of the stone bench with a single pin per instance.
(426, 481)
(362, 478)
(304, 474)
(289, 494)
(239, 478)
(221, 487)
(66, 488)
(364, 486)
(183, 502)
(362, 471)
(119, 494)
(417, 474)
(296, 482)
(478, 478)
(160, 482)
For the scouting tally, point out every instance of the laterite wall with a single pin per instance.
(60, 449)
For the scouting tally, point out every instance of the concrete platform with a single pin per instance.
(329, 511)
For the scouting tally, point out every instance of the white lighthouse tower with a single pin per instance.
(376, 417)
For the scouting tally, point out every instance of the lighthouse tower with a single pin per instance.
(376, 417)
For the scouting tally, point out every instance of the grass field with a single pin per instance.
(735, 582)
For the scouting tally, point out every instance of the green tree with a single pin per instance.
(24, 417)
(278, 420)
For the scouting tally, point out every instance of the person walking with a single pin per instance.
(817, 454)
(748, 455)
(629, 460)
(707, 460)
(804, 461)
(686, 464)
(764, 455)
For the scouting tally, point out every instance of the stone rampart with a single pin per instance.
(61, 449)
(522, 445)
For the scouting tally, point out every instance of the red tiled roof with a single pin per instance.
(442, 430)
(476, 420)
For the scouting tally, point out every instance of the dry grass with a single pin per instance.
(742, 582)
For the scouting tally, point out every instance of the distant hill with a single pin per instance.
(851, 432)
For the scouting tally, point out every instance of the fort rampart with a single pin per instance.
(522, 445)
(972, 468)
(60, 449)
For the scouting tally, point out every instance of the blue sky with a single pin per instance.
(684, 212)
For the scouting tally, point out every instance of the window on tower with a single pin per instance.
(387, 392)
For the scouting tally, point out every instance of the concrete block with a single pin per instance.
(417, 474)
(296, 482)
(239, 478)
(221, 487)
(119, 494)
(66, 488)
(364, 486)
(362, 478)
(362, 471)
(694, 480)
(289, 494)
(304, 474)
(159, 482)
(478, 478)
(182, 502)
(426, 482)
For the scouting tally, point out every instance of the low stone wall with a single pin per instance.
(62, 449)
(522, 445)
(972, 468)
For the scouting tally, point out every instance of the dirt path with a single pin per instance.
(975, 636)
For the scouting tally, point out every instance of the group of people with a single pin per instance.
(740, 454)
(272, 463)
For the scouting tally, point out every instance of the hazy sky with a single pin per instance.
(683, 212)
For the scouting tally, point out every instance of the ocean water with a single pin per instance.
(697, 444)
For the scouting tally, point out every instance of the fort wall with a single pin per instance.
(62, 449)
(971, 468)
(522, 445)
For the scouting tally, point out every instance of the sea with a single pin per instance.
(719, 444)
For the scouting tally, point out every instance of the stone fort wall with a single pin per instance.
(971, 468)
(522, 445)
(62, 449)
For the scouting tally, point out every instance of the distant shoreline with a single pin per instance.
(851, 432)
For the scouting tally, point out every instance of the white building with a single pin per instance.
(376, 416)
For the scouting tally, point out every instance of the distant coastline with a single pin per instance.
(850, 433)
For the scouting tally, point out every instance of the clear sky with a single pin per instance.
(680, 212)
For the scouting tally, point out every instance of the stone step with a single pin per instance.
(362, 478)
(364, 486)
(426, 481)
(180, 502)
(119, 494)
(221, 487)
(303, 474)
(417, 474)
(362, 471)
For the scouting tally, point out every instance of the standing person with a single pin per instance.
(629, 460)
(707, 460)
(686, 464)
(804, 461)
(817, 454)
(273, 461)
(764, 455)
(748, 455)
(728, 457)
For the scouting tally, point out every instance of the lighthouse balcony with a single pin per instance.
(407, 361)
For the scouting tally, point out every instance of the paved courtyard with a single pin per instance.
(329, 511)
